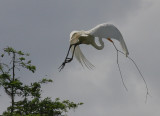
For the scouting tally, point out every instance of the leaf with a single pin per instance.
(2, 55)
(20, 53)
(9, 50)
(29, 62)
(22, 58)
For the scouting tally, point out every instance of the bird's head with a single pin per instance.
(75, 35)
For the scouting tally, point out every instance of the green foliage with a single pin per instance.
(19, 60)
(46, 107)
(30, 103)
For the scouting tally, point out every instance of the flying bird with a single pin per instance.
(101, 31)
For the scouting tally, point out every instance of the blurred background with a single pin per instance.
(42, 29)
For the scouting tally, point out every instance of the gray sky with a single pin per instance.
(42, 28)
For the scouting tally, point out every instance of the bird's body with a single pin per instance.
(107, 31)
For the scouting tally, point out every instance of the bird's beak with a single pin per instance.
(109, 39)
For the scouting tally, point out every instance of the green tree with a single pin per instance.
(31, 102)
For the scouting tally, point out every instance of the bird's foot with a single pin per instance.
(62, 66)
(67, 60)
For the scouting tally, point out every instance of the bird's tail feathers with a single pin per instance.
(124, 47)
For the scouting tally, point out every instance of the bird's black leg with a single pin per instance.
(67, 60)
(70, 59)
(63, 64)
(68, 51)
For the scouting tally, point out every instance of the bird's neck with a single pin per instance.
(97, 46)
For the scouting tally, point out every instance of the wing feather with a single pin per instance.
(81, 58)
(109, 31)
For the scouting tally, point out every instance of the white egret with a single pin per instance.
(107, 31)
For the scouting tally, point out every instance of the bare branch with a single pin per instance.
(147, 93)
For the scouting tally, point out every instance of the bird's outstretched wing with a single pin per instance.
(81, 58)
(109, 31)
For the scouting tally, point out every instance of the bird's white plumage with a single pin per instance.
(81, 58)
(78, 53)
(108, 31)
(100, 31)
